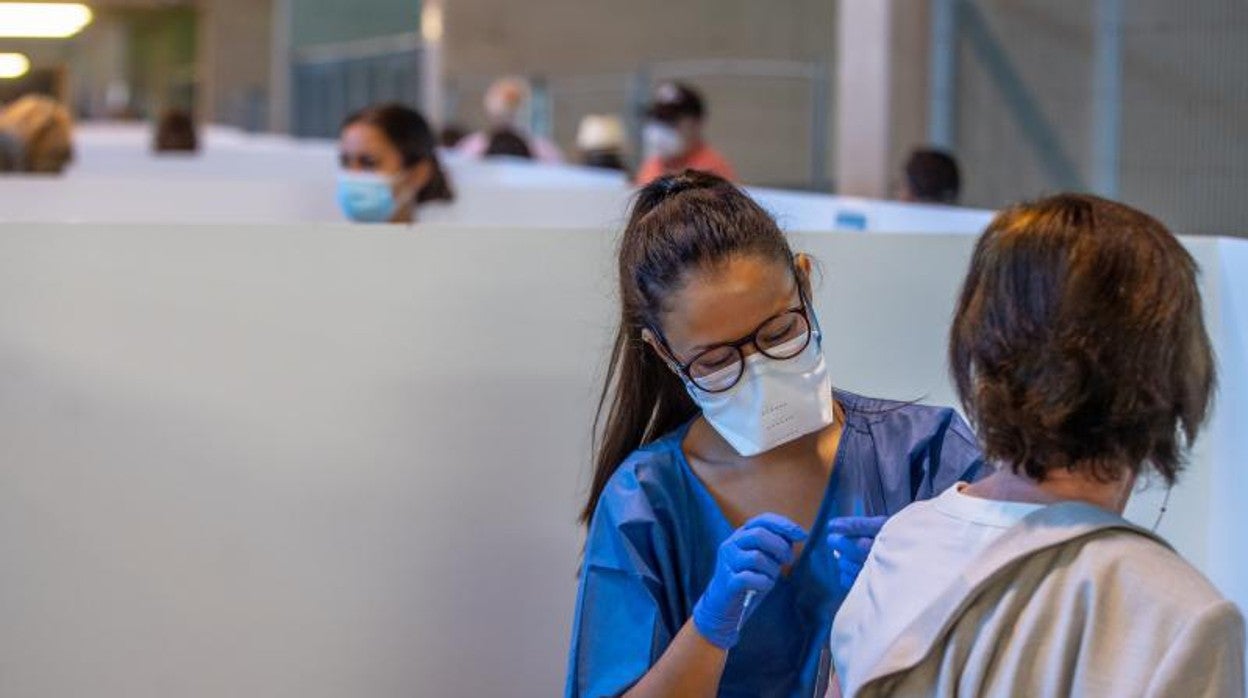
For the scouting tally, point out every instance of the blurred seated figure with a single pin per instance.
(11, 153)
(600, 140)
(38, 136)
(674, 136)
(175, 133)
(507, 143)
(504, 103)
(451, 135)
(389, 165)
(931, 176)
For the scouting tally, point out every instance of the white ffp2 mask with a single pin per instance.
(773, 403)
(662, 141)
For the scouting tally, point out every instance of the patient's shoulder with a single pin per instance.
(916, 520)
(1153, 574)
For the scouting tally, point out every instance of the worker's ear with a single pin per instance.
(802, 261)
(657, 347)
(804, 265)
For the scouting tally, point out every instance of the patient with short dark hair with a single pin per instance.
(1079, 351)
(930, 176)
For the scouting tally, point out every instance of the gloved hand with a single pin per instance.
(749, 561)
(850, 539)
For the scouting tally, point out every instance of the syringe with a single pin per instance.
(745, 607)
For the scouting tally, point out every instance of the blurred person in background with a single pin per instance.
(11, 153)
(175, 133)
(507, 143)
(38, 135)
(389, 165)
(600, 142)
(674, 136)
(505, 101)
(931, 177)
(451, 135)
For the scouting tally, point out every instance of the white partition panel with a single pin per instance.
(1225, 265)
(302, 461)
(515, 172)
(124, 149)
(536, 207)
(255, 178)
(168, 200)
(796, 210)
(307, 165)
(291, 462)
(494, 194)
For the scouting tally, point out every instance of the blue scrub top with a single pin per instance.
(655, 533)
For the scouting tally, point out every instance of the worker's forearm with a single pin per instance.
(691, 667)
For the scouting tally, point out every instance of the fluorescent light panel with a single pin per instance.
(13, 65)
(42, 20)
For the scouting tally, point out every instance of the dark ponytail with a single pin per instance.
(677, 224)
(410, 134)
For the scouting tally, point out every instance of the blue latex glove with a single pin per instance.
(850, 539)
(748, 565)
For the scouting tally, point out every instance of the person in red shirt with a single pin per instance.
(673, 136)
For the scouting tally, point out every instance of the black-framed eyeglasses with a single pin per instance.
(781, 337)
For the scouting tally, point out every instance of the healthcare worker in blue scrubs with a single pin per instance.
(736, 493)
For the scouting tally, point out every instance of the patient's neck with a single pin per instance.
(1058, 486)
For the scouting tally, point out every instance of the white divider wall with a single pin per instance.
(248, 179)
(496, 194)
(302, 461)
(291, 462)
(167, 200)
(124, 149)
(1225, 265)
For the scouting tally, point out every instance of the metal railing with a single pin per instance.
(331, 81)
(559, 101)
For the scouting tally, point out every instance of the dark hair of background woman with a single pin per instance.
(506, 142)
(678, 224)
(410, 134)
(1079, 343)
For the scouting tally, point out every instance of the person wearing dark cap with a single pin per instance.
(673, 136)
(931, 177)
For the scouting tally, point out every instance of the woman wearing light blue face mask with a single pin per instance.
(389, 166)
(735, 491)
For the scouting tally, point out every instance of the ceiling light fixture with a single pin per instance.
(13, 65)
(42, 20)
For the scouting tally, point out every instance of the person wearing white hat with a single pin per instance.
(600, 140)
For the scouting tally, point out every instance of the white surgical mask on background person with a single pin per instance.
(662, 140)
(366, 197)
(774, 402)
